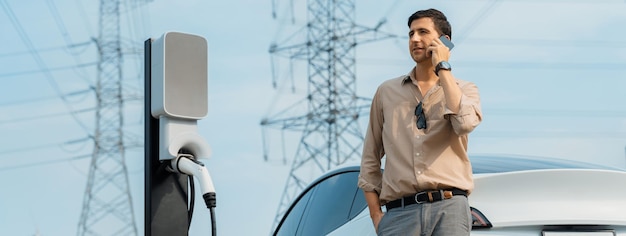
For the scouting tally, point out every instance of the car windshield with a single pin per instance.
(482, 164)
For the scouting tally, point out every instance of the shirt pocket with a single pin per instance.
(436, 111)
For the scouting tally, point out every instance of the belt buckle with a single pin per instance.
(418, 201)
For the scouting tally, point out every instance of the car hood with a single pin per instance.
(551, 197)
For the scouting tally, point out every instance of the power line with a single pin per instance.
(135, 30)
(43, 98)
(476, 20)
(48, 49)
(549, 43)
(556, 113)
(26, 39)
(59, 22)
(85, 20)
(45, 116)
(544, 65)
(554, 1)
(66, 36)
(617, 66)
(46, 70)
(29, 148)
(549, 134)
(41, 146)
(41, 163)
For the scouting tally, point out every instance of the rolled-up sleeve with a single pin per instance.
(469, 115)
(370, 177)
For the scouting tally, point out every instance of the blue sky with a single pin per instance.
(551, 77)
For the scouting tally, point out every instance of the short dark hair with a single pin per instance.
(441, 22)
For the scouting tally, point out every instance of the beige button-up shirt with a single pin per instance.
(417, 159)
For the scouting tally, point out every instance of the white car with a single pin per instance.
(513, 196)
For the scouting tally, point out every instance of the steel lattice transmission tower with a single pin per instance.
(330, 131)
(107, 204)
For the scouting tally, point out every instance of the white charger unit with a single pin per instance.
(179, 92)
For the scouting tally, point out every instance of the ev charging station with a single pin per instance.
(176, 97)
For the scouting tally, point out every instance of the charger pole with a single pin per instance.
(165, 200)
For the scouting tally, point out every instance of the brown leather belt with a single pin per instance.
(426, 197)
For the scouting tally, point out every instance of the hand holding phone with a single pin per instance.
(436, 58)
(446, 42)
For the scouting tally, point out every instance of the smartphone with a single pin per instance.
(447, 42)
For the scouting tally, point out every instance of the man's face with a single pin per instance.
(421, 33)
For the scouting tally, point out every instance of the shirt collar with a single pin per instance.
(409, 77)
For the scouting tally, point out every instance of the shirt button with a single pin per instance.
(419, 172)
(417, 136)
(417, 154)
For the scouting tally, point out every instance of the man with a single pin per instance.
(420, 122)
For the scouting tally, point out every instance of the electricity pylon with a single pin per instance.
(330, 131)
(107, 204)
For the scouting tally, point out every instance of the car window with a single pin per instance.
(331, 204)
(291, 222)
(358, 204)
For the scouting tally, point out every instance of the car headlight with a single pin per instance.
(479, 221)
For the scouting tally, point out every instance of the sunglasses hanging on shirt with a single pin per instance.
(421, 118)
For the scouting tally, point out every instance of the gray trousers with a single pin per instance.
(450, 217)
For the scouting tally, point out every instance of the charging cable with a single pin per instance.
(187, 164)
